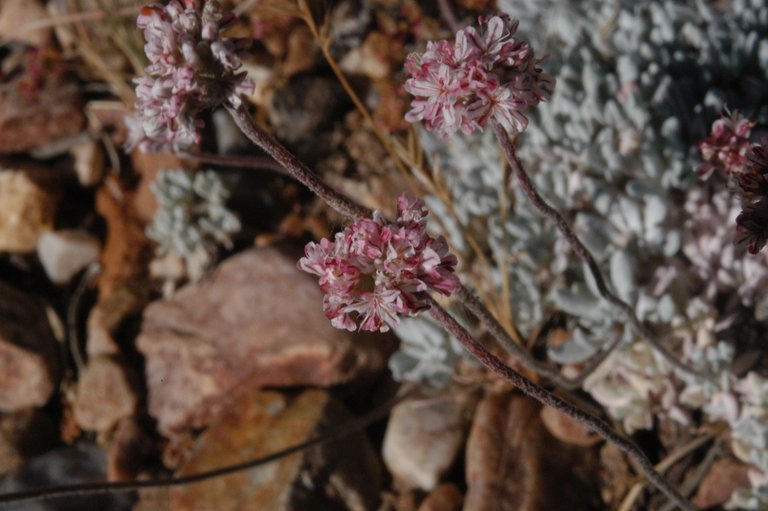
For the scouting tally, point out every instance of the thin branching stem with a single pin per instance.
(591, 366)
(446, 11)
(295, 167)
(583, 253)
(232, 160)
(628, 503)
(475, 306)
(546, 398)
(71, 18)
(337, 433)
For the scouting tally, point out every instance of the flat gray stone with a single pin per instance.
(424, 437)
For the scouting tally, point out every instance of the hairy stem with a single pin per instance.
(545, 397)
(231, 160)
(628, 503)
(295, 167)
(446, 11)
(528, 188)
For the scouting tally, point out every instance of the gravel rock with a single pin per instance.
(15, 14)
(425, 435)
(127, 250)
(343, 475)
(64, 253)
(105, 393)
(615, 475)
(445, 497)
(27, 205)
(369, 59)
(513, 464)
(89, 162)
(300, 51)
(128, 452)
(256, 319)
(28, 362)
(566, 429)
(122, 284)
(724, 477)
(108, 315)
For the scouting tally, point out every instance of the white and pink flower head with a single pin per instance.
(727, 146)
(192, 68)
(376, 270)
(485, 74)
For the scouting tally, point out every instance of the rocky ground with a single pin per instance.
(118, 364)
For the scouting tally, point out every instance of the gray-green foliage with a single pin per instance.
(615, 150)
(427, 354)
(192, 216)
(638, 85)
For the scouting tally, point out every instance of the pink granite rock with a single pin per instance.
(256, 319)
(105, 393)
(340, 475)
(723, 478)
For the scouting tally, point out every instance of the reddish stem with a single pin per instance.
(295, 167)
(231, 160)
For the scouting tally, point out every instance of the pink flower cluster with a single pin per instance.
(192, 69)
(375, 270)
(483, 75)
(726, 148)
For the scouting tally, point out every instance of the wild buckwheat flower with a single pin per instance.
(375, 270)
(727, 146)
(482, 75)
(192, 68)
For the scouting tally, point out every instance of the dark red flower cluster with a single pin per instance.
(752, 222)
